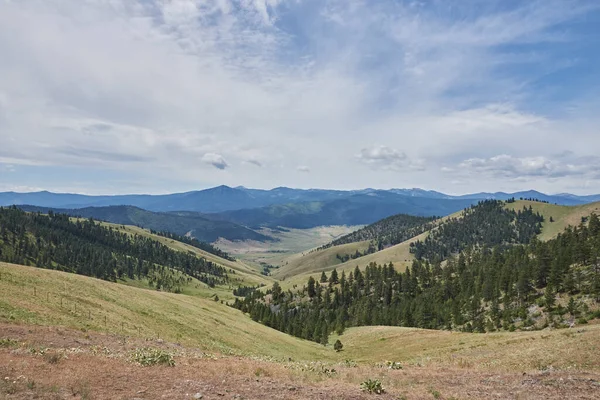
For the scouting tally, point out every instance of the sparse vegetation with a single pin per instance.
(372, 386)
(152, 356)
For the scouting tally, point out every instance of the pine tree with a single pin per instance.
(323, 277)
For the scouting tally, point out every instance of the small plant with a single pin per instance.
(338, 346)
(435, 393)
(8, 343)
(393, 365)
(372, 386)
(150, 356)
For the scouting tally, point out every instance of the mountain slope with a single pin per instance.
(358, 209)
(299, 266)
(192, 224)
(556, 217)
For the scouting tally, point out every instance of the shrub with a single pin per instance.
(372, 386)
(150, 356)
(338, 346)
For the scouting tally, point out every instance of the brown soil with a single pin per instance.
(56, 363)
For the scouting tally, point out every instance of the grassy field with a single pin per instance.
(287, 242)
(577, 348)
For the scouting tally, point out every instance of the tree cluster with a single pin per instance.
(57, 241)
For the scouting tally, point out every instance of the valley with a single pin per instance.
(49, 314)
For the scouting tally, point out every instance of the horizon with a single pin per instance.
(148, 96)
(558, 194)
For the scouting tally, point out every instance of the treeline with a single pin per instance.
(209, 248)
(487, 223)
(388, 232)
(482, 289)
(55, 241)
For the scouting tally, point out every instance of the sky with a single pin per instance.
(158, 96)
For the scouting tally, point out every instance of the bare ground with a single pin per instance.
(56, 363)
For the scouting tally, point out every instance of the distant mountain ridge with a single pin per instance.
(224, 198)
(357, 209)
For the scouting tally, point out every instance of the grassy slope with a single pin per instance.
(190, 320)
(563, 215)
(577, 348)
(246, 273)
(299, 266)
(212, 326)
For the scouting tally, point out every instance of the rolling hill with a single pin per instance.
(191, 223)
(318, 260)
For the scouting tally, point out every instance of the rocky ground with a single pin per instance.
(54, 363)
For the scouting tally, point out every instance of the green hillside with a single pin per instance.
(117, 253)
(302, 265)
(190, 223)
(496, 276)
(43, 297)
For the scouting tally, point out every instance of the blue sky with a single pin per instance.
(155, 96)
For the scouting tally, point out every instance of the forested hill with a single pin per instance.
(192, 223)
(85, 247)
(483, 289)
(487, 223)
(389, 231)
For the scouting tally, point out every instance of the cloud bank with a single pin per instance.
(134, 93)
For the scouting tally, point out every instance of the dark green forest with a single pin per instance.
(388, 232)
(490, 285)
(487, 223)
(56, 241)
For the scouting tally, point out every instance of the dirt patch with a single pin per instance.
(55, 363)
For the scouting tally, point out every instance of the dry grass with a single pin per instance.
(567, 349)
(96, 366)
(563, 216)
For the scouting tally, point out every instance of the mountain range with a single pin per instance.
(225, 198)
(236, 213)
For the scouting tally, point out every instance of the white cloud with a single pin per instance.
(507, 166)
(388, 158)
(216, 160)
(302, 168)
(153, 86)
